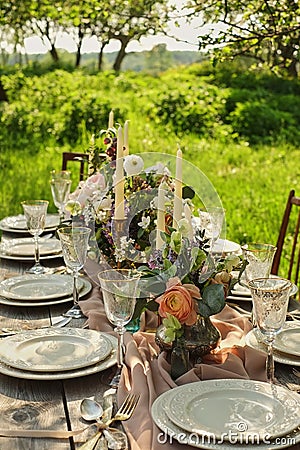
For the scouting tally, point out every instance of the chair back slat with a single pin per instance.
(82, 158)
(290, 227)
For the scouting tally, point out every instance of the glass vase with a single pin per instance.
(200, 339)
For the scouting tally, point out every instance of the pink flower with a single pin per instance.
(179, 301)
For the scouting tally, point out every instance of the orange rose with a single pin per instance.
(178, 300)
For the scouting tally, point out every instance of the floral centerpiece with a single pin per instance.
(180, 279)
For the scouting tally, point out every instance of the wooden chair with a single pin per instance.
(82, 158)
(288, 239)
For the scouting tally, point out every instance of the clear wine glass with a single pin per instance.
(270, 302)
(260, 258)
(216, 218)
(119, 289)
(74, 243)
(60, 183)
(35, 212)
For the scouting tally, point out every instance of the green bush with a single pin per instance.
(260, 122)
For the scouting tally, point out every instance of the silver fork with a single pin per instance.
(124, 412)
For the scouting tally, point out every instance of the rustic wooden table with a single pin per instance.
(53, 404)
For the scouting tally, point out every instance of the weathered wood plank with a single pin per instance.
(26, 404)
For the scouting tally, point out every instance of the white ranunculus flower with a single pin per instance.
(133, 164)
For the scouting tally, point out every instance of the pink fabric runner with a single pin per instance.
(147, 371)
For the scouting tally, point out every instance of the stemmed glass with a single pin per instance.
(35, 214)
(60, 187)
(270, 302)
(119, 290)
(74, 243)
(260, 258)
(212, 221)
(216, 217)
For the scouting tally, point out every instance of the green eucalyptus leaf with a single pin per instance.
(213, 298)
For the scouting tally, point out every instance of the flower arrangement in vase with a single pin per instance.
(180, 280)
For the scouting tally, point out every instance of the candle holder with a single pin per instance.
(119, 229)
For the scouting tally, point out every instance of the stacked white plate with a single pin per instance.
(286, 345)
(17, 224)
(240, 292)
(229, 414)
(40, 290)
(226, 247)
(56, 353)
(23, 249)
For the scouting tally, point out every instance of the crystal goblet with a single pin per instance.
(74, 243)
(35, 214)
(216, 218)
(60, 188)
(270, 302)
(120, 290)
(260, 258)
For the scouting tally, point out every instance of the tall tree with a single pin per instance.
(129, 20)
(267, 30)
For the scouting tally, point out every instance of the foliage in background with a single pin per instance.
(223, 119)
(265, 32)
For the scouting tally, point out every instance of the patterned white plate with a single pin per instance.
(38, 287)
(54, 350)
(288, 341)
(87, 286)
(17, 224)
(110, 361)
(171, 431)
(253, 340)
(245, 408)
(25, 247)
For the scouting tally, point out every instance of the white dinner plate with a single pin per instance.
(109, 361)
(17, 224)
(219, 407)
(86, 288)
(38, 287)
(242, 293)
(25, 247)
(54, 350)
(253, 340)
(172, 431)
(225, 246)
(288, 341)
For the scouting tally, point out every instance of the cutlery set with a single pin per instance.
(115, 439)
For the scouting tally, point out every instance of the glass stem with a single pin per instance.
(75, 290)
(61, 214)
(121, 349)
(270, 362)
(36, 250)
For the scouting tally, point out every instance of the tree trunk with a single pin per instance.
(54, 54)
(121, 54)
(78, 53)
(3, 95)
(292, 69)
(100, 56)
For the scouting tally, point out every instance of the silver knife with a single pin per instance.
(109, 399)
